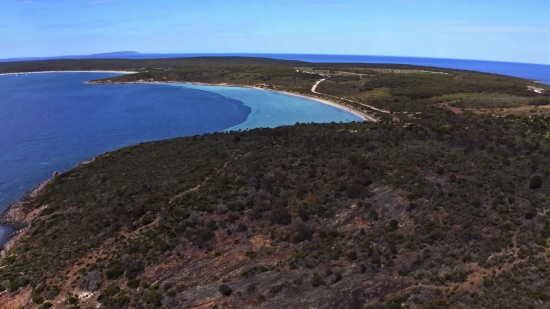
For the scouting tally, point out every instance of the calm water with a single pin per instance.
(530, 71)
(52, 121)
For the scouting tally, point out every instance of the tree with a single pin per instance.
(535, 182)
(280, 216)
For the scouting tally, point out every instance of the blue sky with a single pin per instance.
(502, 30)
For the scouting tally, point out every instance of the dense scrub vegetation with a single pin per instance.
(456, 203)
(395, 88)
(135, 64)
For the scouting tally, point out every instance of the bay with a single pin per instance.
(52, 121)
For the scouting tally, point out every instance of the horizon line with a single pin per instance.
(39, 58)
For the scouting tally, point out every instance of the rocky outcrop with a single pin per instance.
(93, 281)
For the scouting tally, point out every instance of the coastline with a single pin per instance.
(358, 113)
(18, 216)
(90, 71)
(354, 111)
(364, 117)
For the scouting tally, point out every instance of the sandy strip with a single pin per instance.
(356, 112)
(99, 71)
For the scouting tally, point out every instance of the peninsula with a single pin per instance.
(439, 200)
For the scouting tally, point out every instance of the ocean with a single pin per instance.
(536, 72)
(52, 121)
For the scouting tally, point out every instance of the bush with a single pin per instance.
(488, 282)
(133, 283)
(301, 232)
(351, 255)
(276, 289)
(36, 298)
(394, 224)
(225, 290)
(317, 281)
(540, 102)
(530, 215)
(152, 297)
(53, 292)
(356, 191)
(303, 214)
(111, 290)
(115, 269)
(535, 182)
(72, 300)
(280, 216)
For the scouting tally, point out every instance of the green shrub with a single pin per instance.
(115, 269)
(276, 288)
(540, 101)
(152, 297)
(133, 283)
(36, 298)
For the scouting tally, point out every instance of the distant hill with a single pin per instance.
(118, 54)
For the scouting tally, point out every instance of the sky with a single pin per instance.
(499, 30)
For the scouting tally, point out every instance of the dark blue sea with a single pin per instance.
(52, 121)
(536, 72)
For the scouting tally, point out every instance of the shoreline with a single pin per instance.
(18, 217)
(363, 116)
(89, 71)
(358, 113)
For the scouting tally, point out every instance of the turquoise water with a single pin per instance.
(52, 121)
(272, 109)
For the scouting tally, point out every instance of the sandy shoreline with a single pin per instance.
(98, 71)
(358, 113)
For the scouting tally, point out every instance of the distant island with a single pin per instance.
(439, 200)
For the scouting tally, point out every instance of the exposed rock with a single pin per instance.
(221, 209)
(92, 282)
(167, 302)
